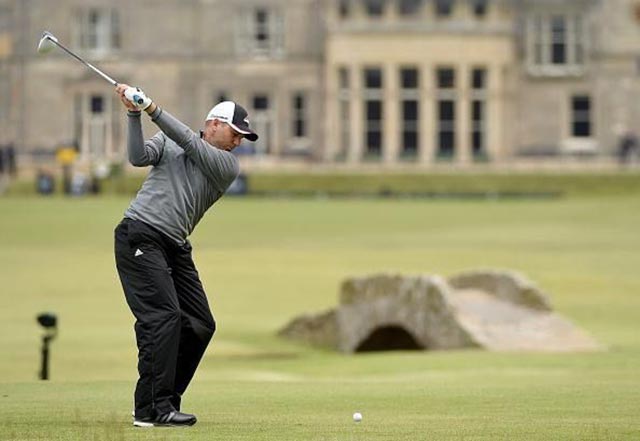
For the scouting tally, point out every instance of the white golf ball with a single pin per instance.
(357, 417)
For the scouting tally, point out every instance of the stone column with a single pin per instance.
(496, 136)
(427, 116)
(462, 154)
(356, 113)
(279, 100)
(391, 115)
(332, 123)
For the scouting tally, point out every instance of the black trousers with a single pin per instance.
(173, 324)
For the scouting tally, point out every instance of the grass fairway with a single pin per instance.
(264, 261)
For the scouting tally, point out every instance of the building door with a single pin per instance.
(262, 122)
(93, 127)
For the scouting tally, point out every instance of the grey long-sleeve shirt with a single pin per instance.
(188, 176)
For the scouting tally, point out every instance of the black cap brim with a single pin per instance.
(245, 131)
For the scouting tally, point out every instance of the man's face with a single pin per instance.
(221, 135)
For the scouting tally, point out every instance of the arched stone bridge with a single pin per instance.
(501, 311)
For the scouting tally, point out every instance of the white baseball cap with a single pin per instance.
(235, 115)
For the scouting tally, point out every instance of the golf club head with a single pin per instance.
(47, 42)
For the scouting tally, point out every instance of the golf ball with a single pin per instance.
(357, 417)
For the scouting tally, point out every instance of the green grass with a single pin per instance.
(264, 261)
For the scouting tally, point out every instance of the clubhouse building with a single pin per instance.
(332, 82)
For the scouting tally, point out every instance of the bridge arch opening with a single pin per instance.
(389, 338)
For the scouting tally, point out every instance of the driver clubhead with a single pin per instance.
(47, 42)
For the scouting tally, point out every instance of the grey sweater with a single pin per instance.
(188, 175)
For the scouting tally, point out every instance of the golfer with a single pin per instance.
(189, 173)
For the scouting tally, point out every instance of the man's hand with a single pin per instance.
(136, 96)
(120, 91)
(133, 98)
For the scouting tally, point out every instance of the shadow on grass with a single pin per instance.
(260, 356)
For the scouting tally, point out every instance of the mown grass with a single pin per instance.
(264, 261)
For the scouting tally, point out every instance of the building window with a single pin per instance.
(410, 121)
(409, 78)
(444, 8)
(260, 102)
(479, 8)
(344, 8)
(300, 108)
(556, 44)
(446, 128)
(477, 129)
(446, 112)
(261, 32)
(409, 7)
(558, 40)
(373, 140)
(97, 104)
(445, 78)
(373, 79)
(410, 112)
(98, 29)
(262, 122)
(581, 122)
(375, 8)
(478, 82)
(373, 112)
(478, 79)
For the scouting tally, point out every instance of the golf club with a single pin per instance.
(49, 41)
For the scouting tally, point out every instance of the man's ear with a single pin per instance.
(212, 122)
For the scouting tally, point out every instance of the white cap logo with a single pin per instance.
(222, 111)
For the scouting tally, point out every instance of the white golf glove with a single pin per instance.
(137, 97)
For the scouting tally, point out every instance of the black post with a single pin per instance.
(44, 372)
(49, 322)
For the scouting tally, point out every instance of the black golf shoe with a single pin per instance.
(170, 419)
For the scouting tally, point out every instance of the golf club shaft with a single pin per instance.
(89, 65)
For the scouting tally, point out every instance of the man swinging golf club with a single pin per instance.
(189, 173)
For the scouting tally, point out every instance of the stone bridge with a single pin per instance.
(493, 310)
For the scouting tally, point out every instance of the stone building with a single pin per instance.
(186, 54)
(332, 81)
(422, 81)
